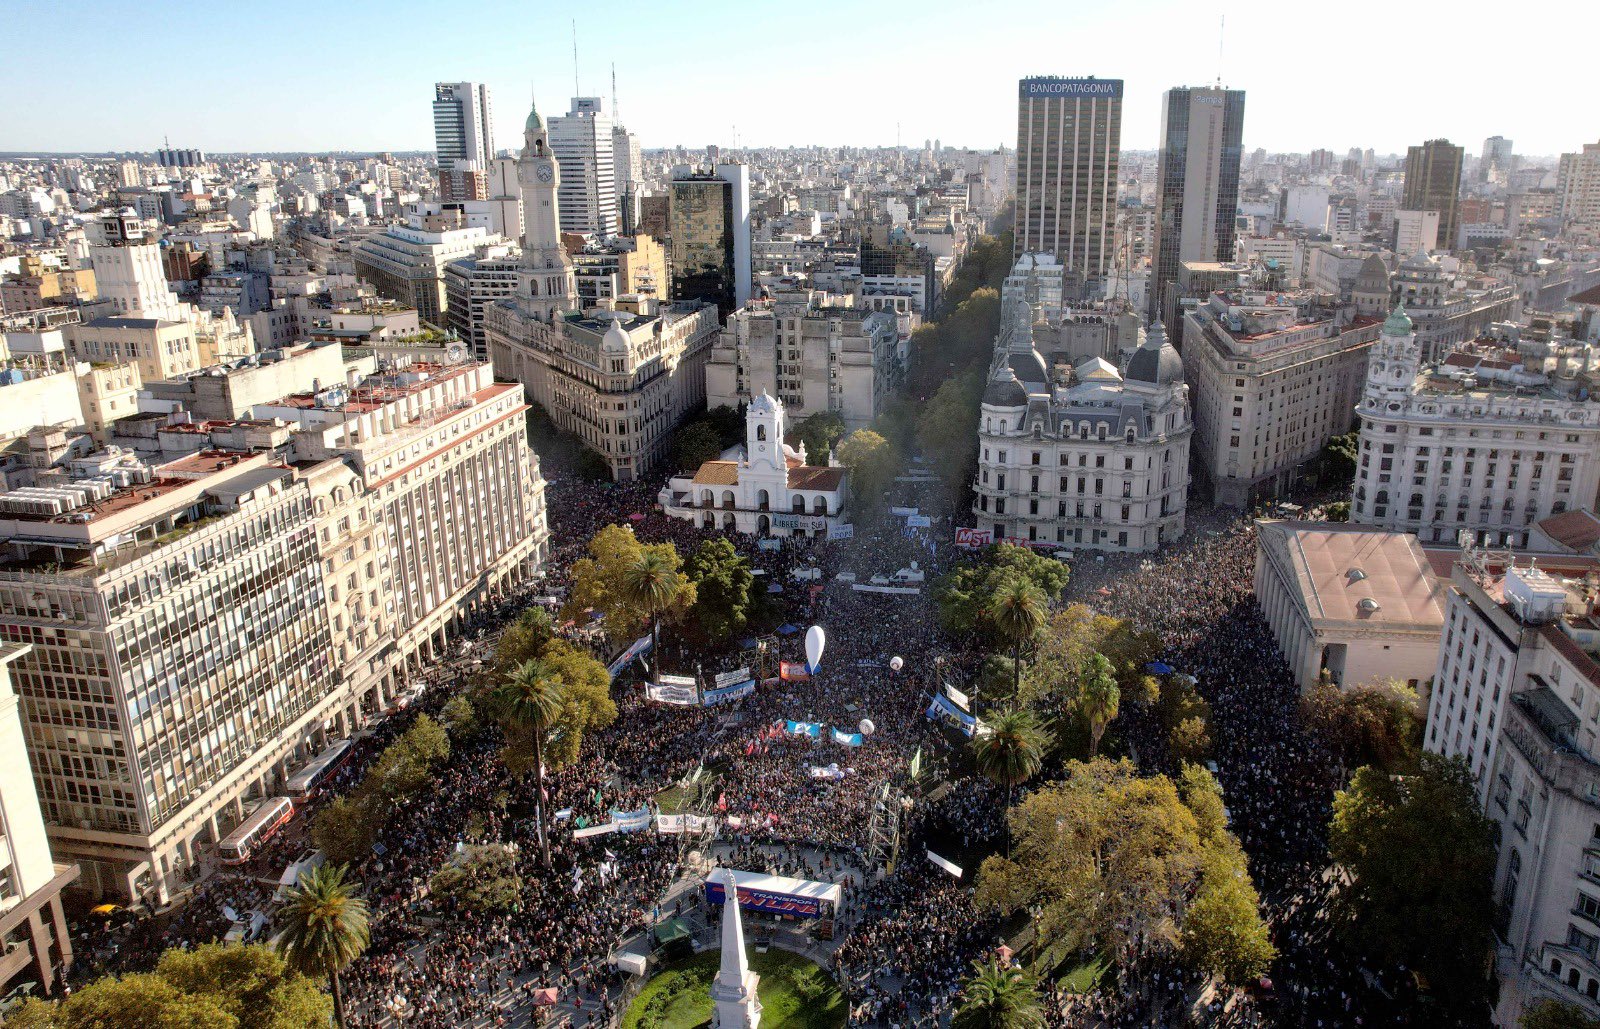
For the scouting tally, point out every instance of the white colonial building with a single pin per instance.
(766, 488)
(1090, 457)
(1492, 438)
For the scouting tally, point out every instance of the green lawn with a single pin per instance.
(1082, 978)
(795, 994)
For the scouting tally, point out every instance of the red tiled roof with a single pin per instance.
(1575, 529)
(717, 473)
(815, 477)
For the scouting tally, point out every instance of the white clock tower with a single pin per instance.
(545, 281)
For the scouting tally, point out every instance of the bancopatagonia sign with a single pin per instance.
(1091, 89)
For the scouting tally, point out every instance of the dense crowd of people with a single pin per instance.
(907, 937)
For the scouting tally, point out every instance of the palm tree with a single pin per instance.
(527, 704)
(1098, 697)
(322, 927)
(1010, 751)
(650, 584)
(1018, 609)
(999, 996)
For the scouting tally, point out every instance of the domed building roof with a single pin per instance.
(1028, 366)
(1398, 323)
(615, 340)
(1156, 361)
(1004, 390)
(535, 123)
(762, 403)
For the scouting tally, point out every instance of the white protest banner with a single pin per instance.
(949, 866)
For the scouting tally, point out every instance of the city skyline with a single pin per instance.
(671, 95)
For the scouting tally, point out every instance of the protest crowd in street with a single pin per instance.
(905, 941)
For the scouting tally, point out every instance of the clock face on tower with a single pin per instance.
(546, 173)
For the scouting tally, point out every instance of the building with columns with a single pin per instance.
(620, 377)
(1348, 603)
(1490, 439)
(1092, 457)
(767, 488)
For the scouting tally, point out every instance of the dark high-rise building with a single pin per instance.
(1197, 186)
(1069, 138)
(709, 226)
(171, 157)
(1433, 183)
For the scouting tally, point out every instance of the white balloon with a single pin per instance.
(897, 662)
(816, 640)
(866, 727)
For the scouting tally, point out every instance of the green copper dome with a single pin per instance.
(535, 123)
(1398, 323)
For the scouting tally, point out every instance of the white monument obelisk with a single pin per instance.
(734, 989)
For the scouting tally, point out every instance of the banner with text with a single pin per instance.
(812, 729)
(631, 821)
(849, 739)
(672, 693)
(942, 708)
(711, 698)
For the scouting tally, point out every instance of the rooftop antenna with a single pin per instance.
(614, 114)
(1222, 31)
(575, 88)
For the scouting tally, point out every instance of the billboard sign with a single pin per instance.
(1070, 89)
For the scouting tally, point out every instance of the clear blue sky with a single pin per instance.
(358, 74)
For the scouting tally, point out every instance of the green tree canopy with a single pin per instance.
(998, 996)
(523, 640)
(323, 926)
(722, 584)
(527, 705)
(1421, 859)
(728, 423)
(1222, 932)
(586, 704)
(1553, 1014)
(608, 580)
(966, 596)
(1102, 854)
(1099, 697)
(215, 986)
(1377, 724)
(871, 463)
(1017, 609)
(820, 432)
(480, 878)
(694, 445)
(945, 430)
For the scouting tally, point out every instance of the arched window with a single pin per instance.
(727, 499)
(798, 504)
(761, 432)
(762, 500)
(819, 506)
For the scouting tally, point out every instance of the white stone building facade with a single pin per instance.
(1490, 439)
(1098, 460)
